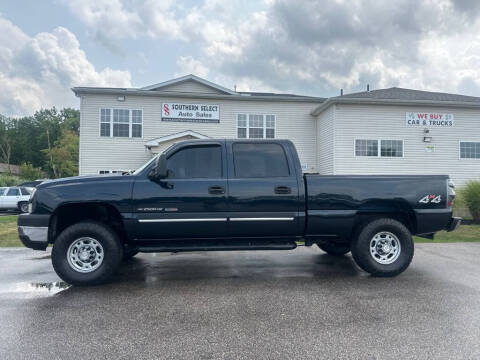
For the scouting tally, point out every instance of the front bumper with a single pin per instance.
(454, 224)
(33, 230)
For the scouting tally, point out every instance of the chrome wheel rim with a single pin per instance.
(24, 208)
(385, 248)
(85, 255)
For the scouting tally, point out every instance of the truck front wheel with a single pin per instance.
(86, 253)
(384, 248)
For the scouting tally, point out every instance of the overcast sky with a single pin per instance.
(310, 47)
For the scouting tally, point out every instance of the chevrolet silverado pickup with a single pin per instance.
(202, 195)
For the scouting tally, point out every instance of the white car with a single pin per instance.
(14, 198)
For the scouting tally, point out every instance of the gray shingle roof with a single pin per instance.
(256, 93)
(396, 93)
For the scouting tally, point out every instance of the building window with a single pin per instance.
(105, 122)
(255, 126)
(121, 123)
(379, 148)
(391, 148)
(469, 150)
(121, 126)
(366, 147)
(137, 123)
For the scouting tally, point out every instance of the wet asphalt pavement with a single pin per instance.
(300, 304)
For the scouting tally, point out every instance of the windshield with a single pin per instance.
(141, 168)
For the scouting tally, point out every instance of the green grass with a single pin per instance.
(465, 233)
(8, 231)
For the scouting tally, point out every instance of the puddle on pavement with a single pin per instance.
(34, 289)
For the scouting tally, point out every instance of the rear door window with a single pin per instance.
(259, 160)
(24, 191)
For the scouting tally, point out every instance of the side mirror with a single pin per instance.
(159, 171)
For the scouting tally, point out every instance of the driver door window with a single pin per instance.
(196, 162)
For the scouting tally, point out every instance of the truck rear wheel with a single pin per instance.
(384, 248)
(86, 253)
(334, 249)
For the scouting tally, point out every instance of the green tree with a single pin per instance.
(23, 139)
(29, 172)
(63, 155)
(471, 196)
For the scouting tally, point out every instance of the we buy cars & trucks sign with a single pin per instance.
(429, 119)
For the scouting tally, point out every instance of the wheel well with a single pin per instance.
(407, 218)
(69, 214)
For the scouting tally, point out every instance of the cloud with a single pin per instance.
(189, 65)
(116, 19)
(39, 71)
(309, 46)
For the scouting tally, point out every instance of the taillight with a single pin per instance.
(451, 193)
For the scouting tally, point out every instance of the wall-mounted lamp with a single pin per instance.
(121, 98)
(427, 139)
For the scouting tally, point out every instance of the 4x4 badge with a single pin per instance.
(435, 199)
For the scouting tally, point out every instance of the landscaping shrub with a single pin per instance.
(10, 180)
(470, 195)
(29, 172)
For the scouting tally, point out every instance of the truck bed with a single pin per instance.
(335, 203)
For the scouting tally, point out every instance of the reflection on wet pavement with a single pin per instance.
(225, 305)
(33, 289)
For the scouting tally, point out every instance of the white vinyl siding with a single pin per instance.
(255, 126)
(292, 121)
(190, 86)
(325, 141)
(121, 123)
(441, 156)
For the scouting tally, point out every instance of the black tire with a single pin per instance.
(112, 253)
(334, 249)
(129, 253)
(23, 207)
(361, 248)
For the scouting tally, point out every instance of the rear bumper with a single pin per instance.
(33, 230)
(454, 224)
(433, 220)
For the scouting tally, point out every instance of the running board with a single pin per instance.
(215, 247)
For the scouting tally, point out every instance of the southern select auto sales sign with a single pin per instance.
(200, 113)
(429, 120)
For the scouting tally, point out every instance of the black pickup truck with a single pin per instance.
(232, 195)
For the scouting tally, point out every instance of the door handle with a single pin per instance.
(216, 190)
(282, 190)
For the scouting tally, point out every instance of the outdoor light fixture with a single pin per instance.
(427, 139)
(121, 98)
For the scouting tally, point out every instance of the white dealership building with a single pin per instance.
(385, 131)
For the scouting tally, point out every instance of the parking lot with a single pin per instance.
(274, 305)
